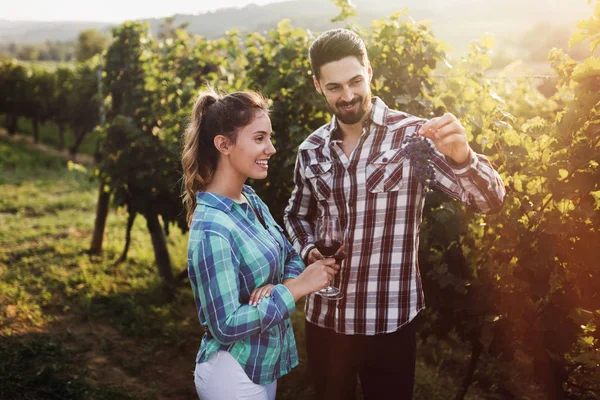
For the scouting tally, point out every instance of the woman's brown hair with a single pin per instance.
(213, 114)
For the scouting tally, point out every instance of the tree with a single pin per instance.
(14, 86)
(28, 52)
(124, 80)
(41, 99)
(89, 43)
(141, 151)
(84, 101)
(65, 78)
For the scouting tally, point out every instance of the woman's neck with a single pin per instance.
(226, 184)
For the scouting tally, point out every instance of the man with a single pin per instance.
(356, 168)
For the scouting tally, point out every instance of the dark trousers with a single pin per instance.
(384, 363)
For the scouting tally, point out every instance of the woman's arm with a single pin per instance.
(213, 272)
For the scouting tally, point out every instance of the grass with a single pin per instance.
(75, 327)
(49, 286)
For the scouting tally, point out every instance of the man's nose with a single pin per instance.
(347, 94)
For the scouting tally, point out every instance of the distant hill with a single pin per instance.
(454, 21)
(36, 32)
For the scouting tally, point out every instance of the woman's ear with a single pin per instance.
(222, 144)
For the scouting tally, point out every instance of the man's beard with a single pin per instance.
(351, 118)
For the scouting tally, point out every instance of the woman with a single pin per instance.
(245, 275)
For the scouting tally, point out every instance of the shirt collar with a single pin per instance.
(379, 112)
(219, 202)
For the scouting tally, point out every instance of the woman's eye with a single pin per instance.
(259, 138)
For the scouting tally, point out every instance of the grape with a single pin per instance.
(418, 150)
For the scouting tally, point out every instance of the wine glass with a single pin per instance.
(329, 240)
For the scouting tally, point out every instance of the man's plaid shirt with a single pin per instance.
(379, 201)
(230, 254)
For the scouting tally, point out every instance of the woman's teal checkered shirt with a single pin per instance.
(230, 253)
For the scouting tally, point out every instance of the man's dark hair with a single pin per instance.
(333, 45)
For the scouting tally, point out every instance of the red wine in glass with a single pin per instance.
(328, 249)
(329, 240)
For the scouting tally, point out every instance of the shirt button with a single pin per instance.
(384, 159)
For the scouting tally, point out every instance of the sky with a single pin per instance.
(110, 10)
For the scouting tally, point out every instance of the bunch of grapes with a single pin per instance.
(418, 151)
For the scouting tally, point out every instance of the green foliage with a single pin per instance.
(537, 256)
(281, 70)
(64, 97)
(588, 29)
(148, 113)
(43, 51)
(124, 70)
(14, 84)
(347, 10)
(90, 42)
(81, 110)
(404, 55)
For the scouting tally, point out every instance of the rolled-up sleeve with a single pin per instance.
(475, 182)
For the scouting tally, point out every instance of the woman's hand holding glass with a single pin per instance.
(315, 277)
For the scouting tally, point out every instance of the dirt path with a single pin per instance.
(139, 365)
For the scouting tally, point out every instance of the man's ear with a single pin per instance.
(222, 144)
(370, 71)
(317, 85)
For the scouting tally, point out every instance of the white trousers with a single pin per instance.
(221, 377)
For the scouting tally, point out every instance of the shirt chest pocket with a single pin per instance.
(320, 176)
(384, 171)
